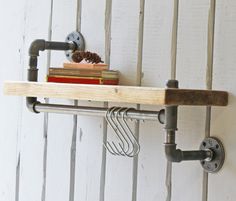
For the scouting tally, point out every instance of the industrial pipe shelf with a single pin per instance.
(211, 153)
(118, 94)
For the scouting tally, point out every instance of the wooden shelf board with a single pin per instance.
(119, 94)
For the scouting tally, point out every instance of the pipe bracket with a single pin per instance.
(78, 39)
(217, 160)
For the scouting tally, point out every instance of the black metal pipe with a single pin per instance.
(177, 155)
(41, 45)
(35, 47)
(173, 154)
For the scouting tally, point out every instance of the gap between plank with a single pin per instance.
(107, 27)
(75, 121)
(174, 43)
(45, 120)
(138, 83)
(209, 79)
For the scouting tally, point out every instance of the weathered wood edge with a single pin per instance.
(196, 97)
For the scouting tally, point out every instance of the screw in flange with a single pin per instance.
(217, 161)
(78, 39)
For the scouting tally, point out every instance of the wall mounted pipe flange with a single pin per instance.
(78, 39)
(216, 162)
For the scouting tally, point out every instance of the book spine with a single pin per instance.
(82, 80)
(85, 66)
(74, 72)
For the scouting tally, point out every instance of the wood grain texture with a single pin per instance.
(196, 97)
(121, 94)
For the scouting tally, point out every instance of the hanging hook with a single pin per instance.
(129, 154)
(110, 149)
(123, 132)
(129, 130)
(109, 114)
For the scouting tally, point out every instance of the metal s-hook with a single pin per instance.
(129, 154)
(129, 130)
(123, 132)
(109, 114)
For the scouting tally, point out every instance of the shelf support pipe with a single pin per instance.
(37, 46)
(35, 106)
(172, 153)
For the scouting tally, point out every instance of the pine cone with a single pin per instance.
(89, 57)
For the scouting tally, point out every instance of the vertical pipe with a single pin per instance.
(173, 77)
(138, 83)
(209, 73)
(107, 27)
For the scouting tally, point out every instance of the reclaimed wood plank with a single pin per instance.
(121, 94)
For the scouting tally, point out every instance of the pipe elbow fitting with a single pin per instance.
(173, 154)
(36, 46)
(30, 103)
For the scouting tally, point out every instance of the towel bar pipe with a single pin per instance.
(98, 111)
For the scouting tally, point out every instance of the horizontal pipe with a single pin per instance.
(177, 155)
(97, 111)
(41, 45)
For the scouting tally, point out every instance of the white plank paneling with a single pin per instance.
(90, 130)
(31, 141)
(124, 34)
(12, 28)
(60, 127)
(156, 71)
(221, 185)
(22, 134)
(124, 50)
(191, 72)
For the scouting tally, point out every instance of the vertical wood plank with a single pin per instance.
(31, 141)
(209, 74)
(61, 131)
(107, 27)
(192, 56)
(90, 130)
(45, 122)
(124, 48)
(174, 44)
(156, 70)
(12, 26)
(221, 185)
(138, 83)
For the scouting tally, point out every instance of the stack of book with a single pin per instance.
(83, 73)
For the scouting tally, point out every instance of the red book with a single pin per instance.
(82, 80)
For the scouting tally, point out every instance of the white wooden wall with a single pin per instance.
(60, 157)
